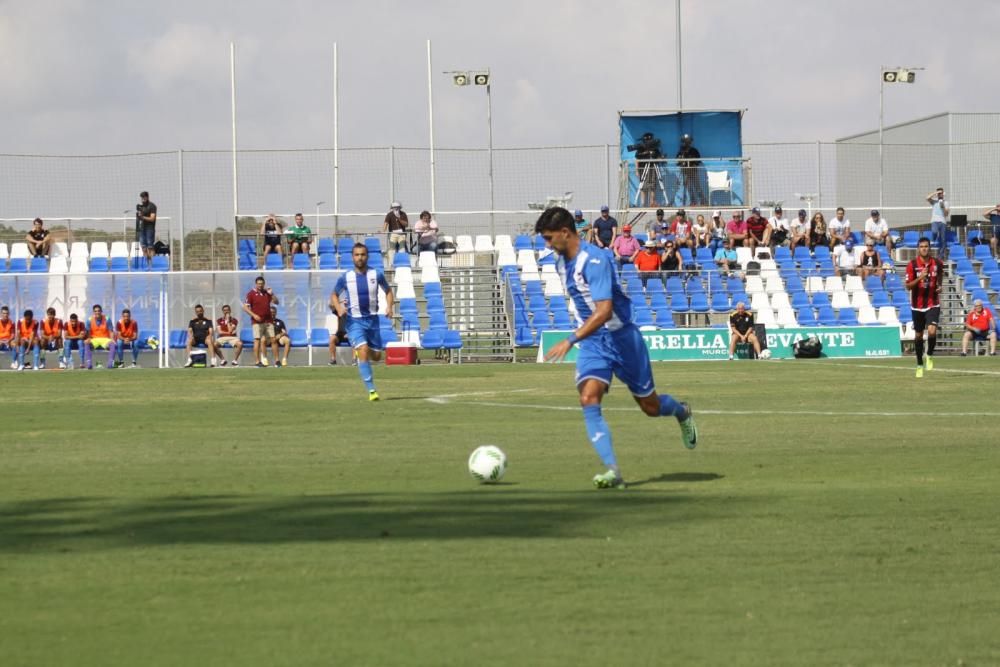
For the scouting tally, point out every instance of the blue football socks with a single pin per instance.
(599, 434)
(365, 371)
(670, 407)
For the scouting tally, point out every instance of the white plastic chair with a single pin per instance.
(743, 255)
(526, 260)
(463, 243)
(119, 249)
(775, 284)
(58, 264)
(405, 291)
(483, 243)
(503, 242)
(426, 258)
(860, 299)
(854, 284)
(60, 249)
(19, 251)
(430, 274)
(814, 284)
(834, 285)
(719, 181)
(4, 253)
(786, 318)
(780, 300)
(506, 257)
(99, 249)
(78, 249)
(402, 274)
(78, 264)
(765, 316)
(887, 316)
(840, 300)
(866, 315)
(754, 285)
(758, 301)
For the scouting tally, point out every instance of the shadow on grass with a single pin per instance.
(679, 477)
(90, 524)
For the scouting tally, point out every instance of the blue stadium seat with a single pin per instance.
(432, 339)
(546, 258)
(408, 305)
(793, 284)
(905, 313)
(327, 261)
(178, 339)
(893, 281)
(540, 318)
(664, 319)
(300, 261)
(345, 244)
(880, 298)
(452, 339)
(720, 302)
(536, 300)
(388, 335)
(694, 286)
(247, 262)
(160, 263)
(736, 297)
(373, 244)
(246, 335)
(633, 285)
(802, 255)
(643, 317)
(699, 303)
(557, 302)
(679, 302)
(539, 243)
(119, 264)
(715, 283)
(248, 246)
(974, 238)
(319, 337)
(982, 253)
(376, 261)
(398, 259)
(674, 284)
(847, 317)
(144, 335)
(910, 239)
(800, 300)
(274, 262)
(522, 242)
(561, 319)
(782, 253)
(432, 289)
(97, 265)
(704, 256)
(140, 263)
(734, 284)
(826, 317)
(899, 297)
(524, 337)
(326, 246)
(658, 300)
(806, 317)
(39, 265)
(858, 238)
(628, 269)
(437, 321)
(820, 300)
(821, 252)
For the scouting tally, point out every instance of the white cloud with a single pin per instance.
(186, 54)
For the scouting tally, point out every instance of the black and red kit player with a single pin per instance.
(924, 275)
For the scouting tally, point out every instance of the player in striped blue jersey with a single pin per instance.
(610, 344)
(355, 299)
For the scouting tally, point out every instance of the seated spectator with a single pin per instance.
(839, 228)
(426, 230)
(100, 336)
(799, 230)
(736, 230)
(993, 216)
(701, 236)
(199, 334)
(8, 336)
(271, 230)
(844, 260)
(670, 260)
(75, 334)
(280, 337)
(582, 226)
(758, 231)
(979, 325)
(870, 263)
(395, 224)
(227, 333)
(877, 230)
(299, 237)
(726, 258)
(27, 339)
(126, 336)
(648, 261)
(658, 227)
(681, 228)
(338, 333)
(741, 330)
(818, 232)
(39, 240)
(51, 338)
(625, 246)
(717, 232)
(779, 228)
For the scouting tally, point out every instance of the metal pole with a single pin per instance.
(607, 173)
(680, 94)
(489, 123)
(392, 173)
(236, 200)
(430, 117)
(881, 171)
(336, 147)
(180, 211)
(819, 174)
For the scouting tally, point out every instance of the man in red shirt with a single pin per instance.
(980, 325)
(736, 230)
(258, 306)
(923, 278)
(758, 231)
(226, 334)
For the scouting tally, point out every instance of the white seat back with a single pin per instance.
(503, 241)
(4, 254)
(854, 284)
(405, 291)
(19, 251)
(887, 315)
(840, 300)
(99, 249)
(859, 299)
(58, 264)
(402, 274)
(743, 255)
(429, 274)
(775, 284)
(484, 243)
(814, 284)
(463, 243)
(526, 260)
(866, 315)
(780, 300)
(765, 316)
(78, 249)
(119, 249)
(506, 257)
(426, 258)
(60, 249)
(78, 264)
(834, 285)
(758, 301)
(754, 284)
(786, 318)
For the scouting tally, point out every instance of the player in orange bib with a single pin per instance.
(27, 339)
(127, 336)
(7, 335)
(52, 336)
(75, 335)
(100, 336)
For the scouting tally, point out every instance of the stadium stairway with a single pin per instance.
(475, 304)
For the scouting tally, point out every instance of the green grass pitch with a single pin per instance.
(276, 517)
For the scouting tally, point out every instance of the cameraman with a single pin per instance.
(647, 169)
(145, 225)
(689, 161)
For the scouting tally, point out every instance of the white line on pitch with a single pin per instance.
(937, 369)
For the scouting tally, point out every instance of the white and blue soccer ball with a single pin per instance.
(487, 464)
(765, 354)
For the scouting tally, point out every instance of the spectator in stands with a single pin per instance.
(799, 230)
(648, 261)
(717, 228)
(227, 333)
(870, 264)
(736, 230)
(51, 338)
(993, 215)
(200, 334)
(681, 228)
(726, 258)
(75, 339)
(758, 231)
(145, 224)
(778, 228)
(605, 228)
(659, 227)
(299, 236)
(741, 330)
(939, 222)
(8, 335)
(877, 229)
(39, 240)
(839, 228)
(257, 305)
(691, 171)
(979, 325)
(818, 231)
(625, 247)
(426, 230)
(700, 234)
(127, 336)
(582, 226)
(100, 336)
(27, 340)
(271, 230)
(844, 259)
(280, 338)
(670, 260)
(395, 224)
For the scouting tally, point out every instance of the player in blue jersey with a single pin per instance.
(355, 300)
(609, 342)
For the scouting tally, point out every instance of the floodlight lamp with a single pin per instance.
(460, 78)
(906, 76)
(889, 76)
(481, 79)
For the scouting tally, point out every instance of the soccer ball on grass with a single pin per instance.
(487, 464)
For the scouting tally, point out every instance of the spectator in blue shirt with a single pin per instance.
(605, 228)
(725, 257)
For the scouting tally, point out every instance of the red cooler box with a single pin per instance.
(400, 354)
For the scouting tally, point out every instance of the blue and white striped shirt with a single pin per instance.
(591, 277)
(359, 291)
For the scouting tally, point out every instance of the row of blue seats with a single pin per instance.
(303, 262)
(96, 264)
(320, 337)
(323, 246)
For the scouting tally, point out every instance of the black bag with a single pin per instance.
(752, 268)
(161, 248)
(808, 348)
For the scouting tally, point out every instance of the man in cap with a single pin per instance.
(839, 228)
(395, 224)
(658, 227)
(605, 228)
(799, 230)
(979, 325)
(779, 228)
(582, 226)
(758, 231)
(843, 257)
(940, 210)
(647, 262)
(877, 229)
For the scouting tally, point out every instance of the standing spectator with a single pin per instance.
(8, 336)
(625, 247)
(199, 334)
(647, 261)
(27, 339)
(870, 264)
(300, 236)
(280, 338)
(979, 325)
(127, 336)
(844, 259)
(741, 330)
(839, 228)
(605, 228)
(680, 227)
(226, 332)
(940, 210)
(689, 160)
(75, 339)
(726, 258)
(923, 278)
(993, 215)
(395, 224)
(758, 231)
(778, 228)
(39, 241)
(582, 226)
(818, 231)
(701, 236)
(271, 230)
(258, 306)
(426, 230)
(100, 336)
(145, 224)
(736, 230)
(799, 230)
(51, 338)
(877, 229)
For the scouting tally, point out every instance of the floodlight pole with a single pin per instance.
(236, 199)
(489, 123)
(680, 93)
(881, 109)
(336, 146)
(430, 123)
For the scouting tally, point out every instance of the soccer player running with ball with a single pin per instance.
(923, 278)
(609, 342)
(355, 299)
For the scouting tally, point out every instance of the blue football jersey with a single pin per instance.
(359, 291)
(591, 277)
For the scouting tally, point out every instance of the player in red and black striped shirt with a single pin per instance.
(924, 275)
